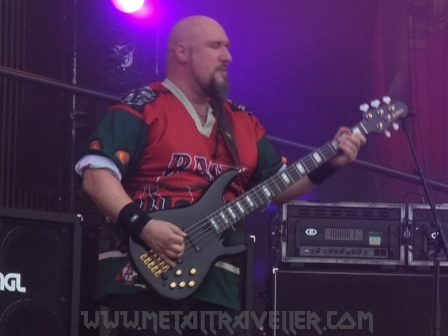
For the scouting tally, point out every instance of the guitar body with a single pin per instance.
(200, 252)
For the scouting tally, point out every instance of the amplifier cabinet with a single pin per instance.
(39, 273)
(343, 233)
(328, 303)
(421, 249)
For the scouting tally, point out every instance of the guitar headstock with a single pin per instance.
(378, 117)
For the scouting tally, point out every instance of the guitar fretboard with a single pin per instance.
(262, 194)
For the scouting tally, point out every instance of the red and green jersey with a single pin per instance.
(166, 162)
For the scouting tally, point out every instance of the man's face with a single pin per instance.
(210, 57)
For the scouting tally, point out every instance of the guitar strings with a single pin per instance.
(291, 170)
(258, 192)
(206, 232)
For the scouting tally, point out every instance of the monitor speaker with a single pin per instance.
(331, 303)
(39, 273)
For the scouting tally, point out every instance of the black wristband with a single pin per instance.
(132, 219)
(320, 174)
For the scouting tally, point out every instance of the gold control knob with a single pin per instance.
(178, 272)
(182, 284)
(173, 285)
(193, 271)
(191, 283)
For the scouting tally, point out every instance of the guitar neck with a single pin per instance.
(262, 194)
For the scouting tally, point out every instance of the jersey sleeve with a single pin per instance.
(269, 161)
(120, 137)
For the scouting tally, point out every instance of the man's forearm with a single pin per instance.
(106, 191)
(298, 189)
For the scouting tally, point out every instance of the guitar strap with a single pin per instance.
(226, 130)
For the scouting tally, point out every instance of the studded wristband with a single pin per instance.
(132, 219)
(320, 174)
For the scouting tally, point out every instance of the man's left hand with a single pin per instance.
(349, 144)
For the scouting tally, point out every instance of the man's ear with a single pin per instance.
(182, 53)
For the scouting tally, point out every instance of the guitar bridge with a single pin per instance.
(154, 263)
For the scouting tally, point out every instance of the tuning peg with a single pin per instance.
(375, 103)
(387, 100)
(387, 134)
(364, 107)
(395, 126)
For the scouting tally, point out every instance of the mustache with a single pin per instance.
(223, 67)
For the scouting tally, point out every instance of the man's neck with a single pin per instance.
(193, 94)
(200, 105)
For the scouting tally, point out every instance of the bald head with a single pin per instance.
(190, 29)
(198, 56)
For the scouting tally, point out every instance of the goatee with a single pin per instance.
(218, 90)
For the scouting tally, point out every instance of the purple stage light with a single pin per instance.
(128, 6)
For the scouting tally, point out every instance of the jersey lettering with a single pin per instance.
(179, 162)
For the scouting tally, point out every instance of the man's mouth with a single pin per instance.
(222, 68)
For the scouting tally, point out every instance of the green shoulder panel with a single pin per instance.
(139, 97)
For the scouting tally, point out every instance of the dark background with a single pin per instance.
(303, 67)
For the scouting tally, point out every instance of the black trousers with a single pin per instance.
(148, 314)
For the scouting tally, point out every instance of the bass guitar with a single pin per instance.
(205, 221)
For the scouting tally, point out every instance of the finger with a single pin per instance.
(177, 248)
(167, 260)
(178, 230)
(173, 254)
(362, 139)
(348, 149)
(356, 139)
(176, 239)
(341, 131)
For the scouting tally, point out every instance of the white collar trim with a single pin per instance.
(205, 129)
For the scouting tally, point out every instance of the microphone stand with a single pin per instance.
(438, 238)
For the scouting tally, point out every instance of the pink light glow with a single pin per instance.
(128, 6)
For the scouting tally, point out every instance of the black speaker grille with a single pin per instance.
(42, 251)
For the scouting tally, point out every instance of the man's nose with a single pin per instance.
(226, 55)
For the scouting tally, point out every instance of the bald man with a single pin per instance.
(162, 148)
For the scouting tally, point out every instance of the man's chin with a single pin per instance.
(221, 79)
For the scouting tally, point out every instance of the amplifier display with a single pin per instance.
(350, 233)
(421, 252)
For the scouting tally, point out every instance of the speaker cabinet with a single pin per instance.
(421, 252)
(39, 273)
(355, 303)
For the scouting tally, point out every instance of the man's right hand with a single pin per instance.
(165, 239)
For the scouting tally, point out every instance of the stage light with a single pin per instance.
(128, 6)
